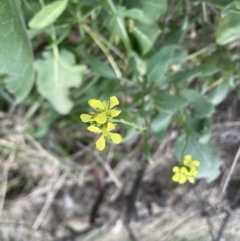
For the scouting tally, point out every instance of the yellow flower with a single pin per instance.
(187, 172)
(131, 25)
(182, 175)
(191, 164)
(102, 111)
(193, 172)
(106, 135)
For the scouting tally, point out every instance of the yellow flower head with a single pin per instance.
(190, 163)
(182, 175)
(131, 25)
(102, 111)
(187, 172)
(105, 130)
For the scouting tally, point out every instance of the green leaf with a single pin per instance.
(138, 65)
(206, 154)
(200, 128)
(117, 24)
(100, 67)
(16, 58)
(219, 3)
(56, 76)
(179, 57)
(228, 28)
(197, 71)
(146, 35)
(135, 14)
(237, 4)
(158, 64)
(169, 102)
(161, 121)
(199, 103)
(48, 14)
(218, 94)
(154, 9)
(146, 150)
(176, 34)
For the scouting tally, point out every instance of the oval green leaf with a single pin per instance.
(228, 28)
(48, 14)
(16, 68)
(159, 62)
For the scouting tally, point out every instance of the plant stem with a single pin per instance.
(129, 123)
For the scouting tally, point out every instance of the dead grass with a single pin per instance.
(47, 196)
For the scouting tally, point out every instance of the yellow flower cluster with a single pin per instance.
(187, 172)
(100, 120)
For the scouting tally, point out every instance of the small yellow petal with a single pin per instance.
(85, 117)
(105, 105)
(110, 126)
(114, 113)
(101, 118)
(175, 178)
(182, 179)
(113, 101)
(193, 172)
(188, 157)
(196, 163)
(94, 129)
(96, 104)
(115, 138)
(100, 143)
(191, 179)
(183, 170)
(185, 162)
(176, 169)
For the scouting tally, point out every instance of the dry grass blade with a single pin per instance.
(51, 195)
(225, 186)
(4, 179)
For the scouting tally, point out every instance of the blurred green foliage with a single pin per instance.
(168, 62)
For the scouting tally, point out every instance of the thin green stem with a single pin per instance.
(129, 124)
(201, 51)
(55, 54)
(186, 133)
(185, 145)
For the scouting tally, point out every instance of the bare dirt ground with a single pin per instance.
(89, 196)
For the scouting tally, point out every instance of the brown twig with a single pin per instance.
(205, 213)
(131, 199)
(225, 186)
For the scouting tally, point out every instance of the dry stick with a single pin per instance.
(96, 205)
(130, 233)
(105, 165)
(226, 125)
(226, 218)
(180, 225)
(231, 171)
(202, 204)
(4, 180)
(105, 50)
(205, 16)
(108, 170)
(50, 198)
(223, 226)
(131, 199)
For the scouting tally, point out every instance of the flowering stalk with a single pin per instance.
(100, 119)
(186, 172)
(130, 124)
